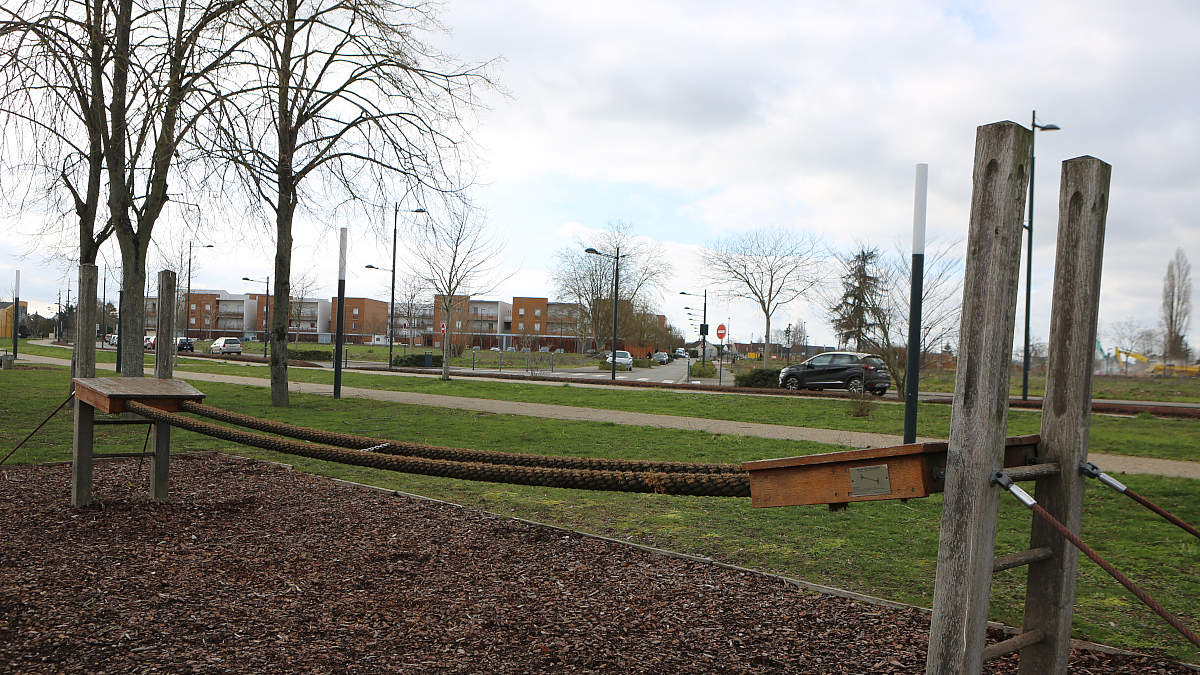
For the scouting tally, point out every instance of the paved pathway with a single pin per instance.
(1109, 463)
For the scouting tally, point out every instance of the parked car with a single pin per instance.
(225, 345)
(624, 359)
(183, 344)
(852, 371)
(681, 353)
(149, 342)
(661, 358)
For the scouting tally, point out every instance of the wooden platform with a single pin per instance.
(108, 394)
(896, 472)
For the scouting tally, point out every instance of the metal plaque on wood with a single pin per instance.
(870, 480)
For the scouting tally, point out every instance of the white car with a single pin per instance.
(624, 360)
(226, 345)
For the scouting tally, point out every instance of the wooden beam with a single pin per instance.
(1007, 562)
(1012, 644)
(81, 454)
(962, 585)
(1033, 471)
(164, 338)
(1066, 408)
(85, 322)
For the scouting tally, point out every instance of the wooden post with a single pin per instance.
(85, 322)
(164, 341)
(1050, 590)
(962, 585)
(85, 366)
(164, 359)
(81, 454)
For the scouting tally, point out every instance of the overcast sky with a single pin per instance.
(694, 120)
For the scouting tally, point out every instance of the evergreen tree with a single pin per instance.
(854, 315)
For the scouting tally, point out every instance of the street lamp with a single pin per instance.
(266, 310)
(703, 323)
(616, 258)
(1029, 252)
(392, 304)
(187, 304)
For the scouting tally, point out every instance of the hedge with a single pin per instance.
(310, 354)
(416, 360)
(767, 378)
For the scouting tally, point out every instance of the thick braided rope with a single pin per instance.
(391, 447)
(710, 485)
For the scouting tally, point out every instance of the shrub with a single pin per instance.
(860, 406)
(643, 363)
(309, 354)
(416, 360)
(705, 369)
(759, 377)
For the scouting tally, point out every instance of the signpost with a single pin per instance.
(720, 352)
(721, 331)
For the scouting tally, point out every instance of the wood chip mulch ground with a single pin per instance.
(254, 568)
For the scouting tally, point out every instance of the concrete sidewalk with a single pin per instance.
(855, 439)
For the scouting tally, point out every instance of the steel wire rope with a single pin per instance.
(1004, 481)
(1092, 471)
(389, 446)
(695, 484)
(38, 427)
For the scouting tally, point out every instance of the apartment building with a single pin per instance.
(364, 319)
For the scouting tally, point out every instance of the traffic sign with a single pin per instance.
(721, 331)
(443, 328)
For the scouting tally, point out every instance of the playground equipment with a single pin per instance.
(977, 459)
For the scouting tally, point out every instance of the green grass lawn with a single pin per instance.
(887, 549)
(1143, 435)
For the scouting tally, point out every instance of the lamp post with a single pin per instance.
(616, 258)
(392, 303)
(187, 303)
(1029, 251)
(703, 323)
(266, 310)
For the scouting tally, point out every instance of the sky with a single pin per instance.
(693, 121)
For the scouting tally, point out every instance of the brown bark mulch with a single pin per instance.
(254, 568)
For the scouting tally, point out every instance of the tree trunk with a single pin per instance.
(446, 339)
(767, 341)
(278, 332)
(133, 305)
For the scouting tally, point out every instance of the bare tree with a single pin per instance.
(457, 255)
(588, 279)
(771, 266)
(1176, 306)
(346, 91)
(412, 298)
(941, 299)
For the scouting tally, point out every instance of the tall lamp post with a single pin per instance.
(392, 304)
(187, 303)
(703, 323)
(266, 310)
(1029, 251)
(616, 258)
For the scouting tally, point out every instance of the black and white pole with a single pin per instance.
(16, 312)
(616, 289)
(392, 302)
(912, 369)
(341, 317)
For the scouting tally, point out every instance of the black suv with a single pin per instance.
(839, 370)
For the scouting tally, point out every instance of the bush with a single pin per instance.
(643, 363)
(416, 360)
(705, 369)
(860, 406)
(766, 378)
(309, 355)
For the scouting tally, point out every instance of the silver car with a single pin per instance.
(624, 360)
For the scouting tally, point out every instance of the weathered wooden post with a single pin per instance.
(85, 366)
(1066, 408)
(980, 412)
(164, 361)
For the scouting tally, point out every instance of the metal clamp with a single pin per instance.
(1092, 471)
(1002, 479)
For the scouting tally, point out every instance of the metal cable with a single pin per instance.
(1169, 517)
(391, 447)
(1116, 574)
(23, 440)
(697, 484)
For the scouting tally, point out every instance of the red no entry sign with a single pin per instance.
(721, 332)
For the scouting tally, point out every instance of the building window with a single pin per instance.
(354, 326)
(193, 306)
(355, 312)
(207, 307)
(537, 312)
(457, 325)
(537, 327)
(521, 312)
(206, 322)
(192, 320)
